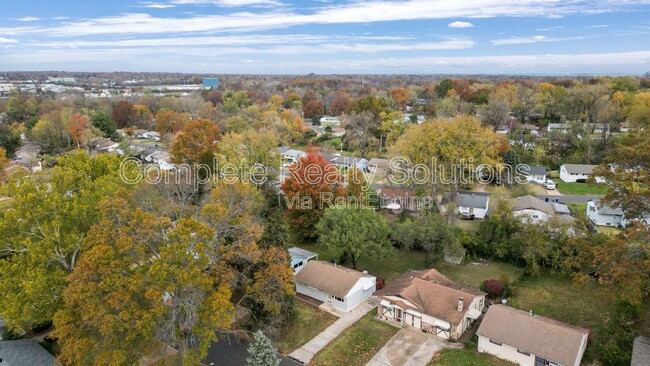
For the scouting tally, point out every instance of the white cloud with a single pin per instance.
(7, 40)
(533, 39)
(460, 25)
(159, 6)
(354, 12)
(229, 3)
(28, 19)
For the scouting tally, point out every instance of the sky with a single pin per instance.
(553, 37)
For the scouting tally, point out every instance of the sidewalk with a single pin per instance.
(305, 353)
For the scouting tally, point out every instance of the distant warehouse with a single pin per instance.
(211, 83)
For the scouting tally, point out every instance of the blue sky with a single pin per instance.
(328, 36)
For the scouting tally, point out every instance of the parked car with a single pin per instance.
(550, 185)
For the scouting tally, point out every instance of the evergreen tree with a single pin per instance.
(261, 352)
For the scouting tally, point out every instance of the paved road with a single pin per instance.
(305, 353)
(408, 347)
(569, 198)
(233, 352)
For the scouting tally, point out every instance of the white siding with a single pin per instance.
(541, 179)
(356, 296)
(602, 220)
(531, 216)
(505, 352)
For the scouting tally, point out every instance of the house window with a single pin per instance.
(535, 216)
(523, 352)
(495, 342)
(338, 299)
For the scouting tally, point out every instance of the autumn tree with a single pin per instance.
(443, 87)
(313, 108)
(249, 148)
(360, 132)
(356, 185)
(340, 105)
(495, 113)
(457, 147)
(42, 247)
(170, 122)
(123, 113)
(196, 143)
(372, 104)
(355, 232)
(312, 181)
(400, 96)
(77, 128)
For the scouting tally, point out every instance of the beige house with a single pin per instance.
(342, 287)
(429, 301)
(530, 340)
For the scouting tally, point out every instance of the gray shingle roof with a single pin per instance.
(472, 199)
(579, 168)
(24, 352)
(536, 170)
(641, 351)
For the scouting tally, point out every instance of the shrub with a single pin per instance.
(496, 288)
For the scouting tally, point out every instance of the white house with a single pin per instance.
(530, 209)
(300, 257)
(292, 156)
(530, 340)
(107, 145)
(559, 127)
(603, 215)
(349, 162)
(472, 205)
(428, 301)
(341, 287)
(160, 158)
(536, 174)
(377, 165)
(151, 135)
(330, 121)
(572, 173)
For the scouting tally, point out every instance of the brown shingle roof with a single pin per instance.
(431, 293)
(335, 280)
(541, 336)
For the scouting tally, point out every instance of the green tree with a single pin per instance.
(428, 232)
(104, 123)
(44, 229)
(444, 87)
(261, 352)
(354, 232)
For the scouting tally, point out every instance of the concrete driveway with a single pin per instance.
(409, 347)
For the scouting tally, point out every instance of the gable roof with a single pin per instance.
(536, 170)
(431, 293)
(472, 199)
(24, 352)
(298, 255)
(532, 203)
(380, 163)
(608, 210)
(330, 278)
(578, 168)
(641, 351)
(541, 336)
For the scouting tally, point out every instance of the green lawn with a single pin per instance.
(356, 345)
(608, 230)
(580, 189)
(308, 323)
(557, 297)
(388, 268)
(468, 356)
(472, 275)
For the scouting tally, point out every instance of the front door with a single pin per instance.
(398, 315)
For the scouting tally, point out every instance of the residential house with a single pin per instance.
(350, 161)
(139, 133)
(530, 209)
(397, 199)
(292, 156)
(531, 340)
(151, 135)
(330, 121)
(300, 257)
(558, 127)
(641, 351)
(529, 128)
(376, 165)
(572, 173)
(107, 145)
(428, 301)
(536, 174)
(341, 287)
(329, 157)
(338, 132)
(24, 352)
(318, 130)
(472, 205)
(161, 158)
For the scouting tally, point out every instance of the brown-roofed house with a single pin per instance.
(529, 339)
(342, 287)
(429, 301)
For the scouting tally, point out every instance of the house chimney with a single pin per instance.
(531, 312)
(461, 303)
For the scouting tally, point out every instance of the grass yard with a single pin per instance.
(608, 230)
(308, 323)
(468, 356)
(580, 189)
(557, 297)
(472, 275)
(388, 268)
(356, 345)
